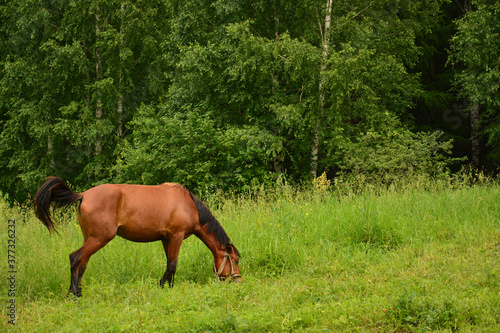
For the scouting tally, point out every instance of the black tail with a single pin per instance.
(54, 189)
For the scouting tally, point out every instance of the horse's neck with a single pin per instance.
(211, 242)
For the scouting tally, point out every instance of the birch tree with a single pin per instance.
(325, 41)
(475, 50)
(87, 66)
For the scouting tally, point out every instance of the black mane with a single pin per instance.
(214, 226)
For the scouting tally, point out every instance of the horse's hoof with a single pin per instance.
(74, 294)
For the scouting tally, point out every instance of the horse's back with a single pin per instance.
(139, 212)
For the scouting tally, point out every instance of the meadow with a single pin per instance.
(417, 258)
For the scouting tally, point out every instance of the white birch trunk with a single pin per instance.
(98, 111)
(278, 162)
(325, 44)
(119, 110)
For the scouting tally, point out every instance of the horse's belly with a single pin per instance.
(140, 235)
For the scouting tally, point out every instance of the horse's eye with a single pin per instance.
(237, 262)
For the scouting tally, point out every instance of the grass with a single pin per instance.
(409, 260)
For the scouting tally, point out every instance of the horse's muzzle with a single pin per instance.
(235, 277)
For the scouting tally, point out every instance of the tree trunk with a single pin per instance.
(98, 110)
(325, 43)
(278, 162)
(50, 153)
(474, 118)
(475, 146)
(119, 111)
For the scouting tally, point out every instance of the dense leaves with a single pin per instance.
(223, 94)
(74, 74)
(394, 156)
(476, 47)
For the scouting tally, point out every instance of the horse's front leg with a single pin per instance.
(171, 247)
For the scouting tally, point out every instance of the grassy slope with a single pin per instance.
(410, 260)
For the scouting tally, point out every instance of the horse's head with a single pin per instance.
(229, 265)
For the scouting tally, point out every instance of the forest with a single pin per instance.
(232, 95)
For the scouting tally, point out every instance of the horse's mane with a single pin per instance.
(214, 226)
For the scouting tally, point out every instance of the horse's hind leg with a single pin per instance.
(171, 247)
(78, 262)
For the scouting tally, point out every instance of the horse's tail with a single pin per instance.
(53, 190)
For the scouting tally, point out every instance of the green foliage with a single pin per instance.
(70, 81)
(475, 49)
(368, 87)
(366, 92)
(199, 154)
(218, 94)
(228, 114)
(396, 156)
(389, 27)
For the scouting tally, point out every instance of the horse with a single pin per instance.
(140, 213)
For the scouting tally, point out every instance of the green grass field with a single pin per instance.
(410, 260)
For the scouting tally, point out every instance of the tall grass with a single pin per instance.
(421, 257)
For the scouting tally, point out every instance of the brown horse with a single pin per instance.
(140, 213)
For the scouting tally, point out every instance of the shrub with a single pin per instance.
(395, 156)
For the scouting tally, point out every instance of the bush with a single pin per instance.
(396, 156)
(192, 149)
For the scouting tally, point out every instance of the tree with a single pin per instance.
(74, 73)
(325, 43)
(229, 89)
(208, 93)
(368, 86)
(475, 51)
(258, 65)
